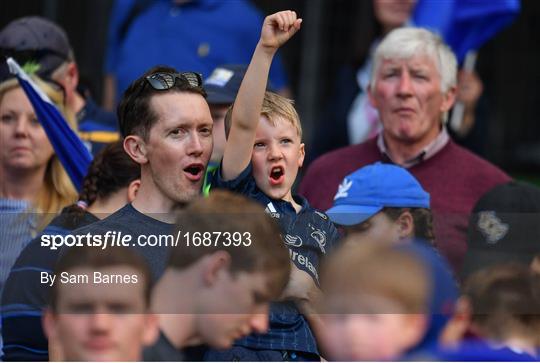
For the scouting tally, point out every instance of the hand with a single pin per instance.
(301, 287)
(278, 28)
(469, 89)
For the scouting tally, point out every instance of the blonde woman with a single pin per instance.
(33, 184)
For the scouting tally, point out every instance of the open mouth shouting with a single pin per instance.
(194, 172)
(277, 175)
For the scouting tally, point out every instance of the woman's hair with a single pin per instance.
(422, 219)
(57, 190)
(111, 170)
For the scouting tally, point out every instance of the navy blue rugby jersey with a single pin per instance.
(309, 236)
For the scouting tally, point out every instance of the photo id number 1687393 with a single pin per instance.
(217, 239)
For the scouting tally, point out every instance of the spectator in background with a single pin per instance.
(497, 316)
(504, 227)
(349, 118)
(218, 293)
(221, 88)
(185, 34)
(104, 319)
(45, 45)
(413, 86)
(112, 181)
(34, 186)
(383, 202)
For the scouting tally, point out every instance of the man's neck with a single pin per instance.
(151, 201)
(174, 304)
(402, 152)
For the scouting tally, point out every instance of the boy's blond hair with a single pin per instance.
(274, 106)
(379, 270)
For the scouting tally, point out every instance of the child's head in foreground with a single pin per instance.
(375, 297)
(278, 151)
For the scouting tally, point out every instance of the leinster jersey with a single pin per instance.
(309, 235)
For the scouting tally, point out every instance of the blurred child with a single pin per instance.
(99, 307)
(376, 298)
(440, 295)
(498, 313)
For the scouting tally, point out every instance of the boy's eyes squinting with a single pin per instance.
(259, 144)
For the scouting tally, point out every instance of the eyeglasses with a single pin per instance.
(165, 81)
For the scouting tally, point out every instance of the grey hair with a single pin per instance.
(407, 42)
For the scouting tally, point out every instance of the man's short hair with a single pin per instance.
(97, 258)
(210, 224)
(407, 42)
(274, 106)
(135, 115)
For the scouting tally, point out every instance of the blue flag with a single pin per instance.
(465, 24)
(70, 150)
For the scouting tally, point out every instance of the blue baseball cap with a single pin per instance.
(223, 84)
(368, 190)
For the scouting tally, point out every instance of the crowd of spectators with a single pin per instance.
(188, 240)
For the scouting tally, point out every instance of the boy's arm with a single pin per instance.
(276, 30)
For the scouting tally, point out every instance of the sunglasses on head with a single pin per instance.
(165, 80)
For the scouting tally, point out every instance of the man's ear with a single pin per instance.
(72, 75)
(151, 329)
(405, 224)
(132, 190)
(135, 147)
(371, 97)
(302, 152)
(215, 265)
(414, 330)
(448, 99)
(49, 324)
(56, 353)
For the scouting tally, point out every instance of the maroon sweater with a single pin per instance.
(454, 177)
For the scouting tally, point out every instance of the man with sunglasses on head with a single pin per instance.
(166, 125)
(43, 46)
